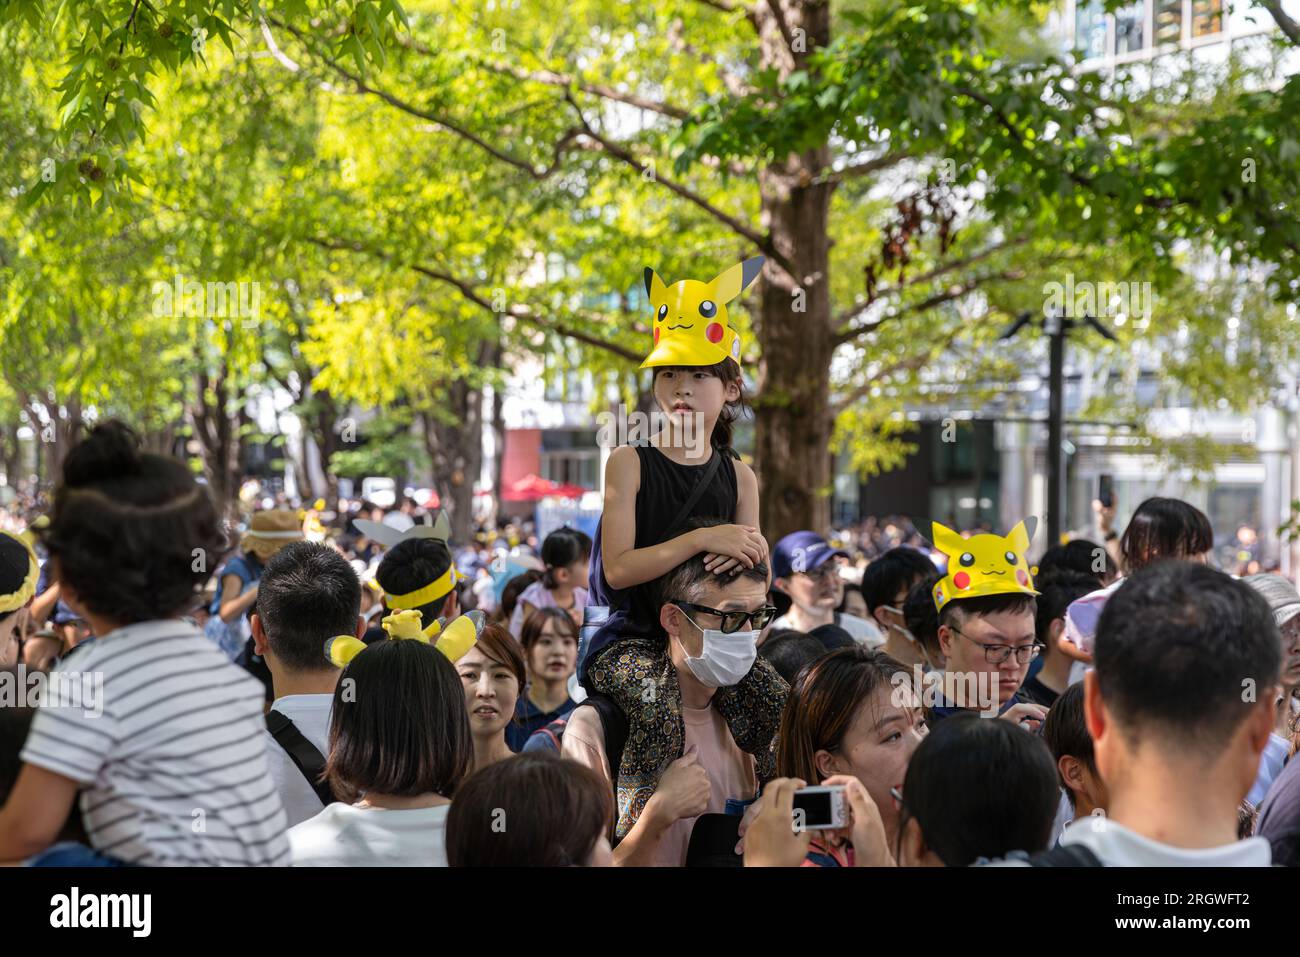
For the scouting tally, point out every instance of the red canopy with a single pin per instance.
(532, 487)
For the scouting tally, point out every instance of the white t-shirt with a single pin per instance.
(344, 835)
(171, 750)
(1117, 846)
(310, 714)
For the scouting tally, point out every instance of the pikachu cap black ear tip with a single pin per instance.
(649, 277)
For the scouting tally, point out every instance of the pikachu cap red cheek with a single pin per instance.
(691, 327)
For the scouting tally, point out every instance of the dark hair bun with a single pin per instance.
(111, 450)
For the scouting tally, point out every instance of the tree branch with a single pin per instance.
(439, 119)
(849, 315)
(1289, 26)
(473, 295)
(622, 153)
(930, 302)
(867, 167)
(566, 81)
(779, 16)
(910, 364)
(727, 6)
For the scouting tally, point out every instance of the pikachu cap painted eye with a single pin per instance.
(985, 564)
(691, 327)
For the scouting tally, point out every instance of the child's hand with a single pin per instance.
(733, 546)
(1073, 651)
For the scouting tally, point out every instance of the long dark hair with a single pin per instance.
(822, 702)
(728, 370)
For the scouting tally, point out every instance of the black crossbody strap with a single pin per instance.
(706, 479)
(301, 752)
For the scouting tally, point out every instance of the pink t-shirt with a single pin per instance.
(730, 770)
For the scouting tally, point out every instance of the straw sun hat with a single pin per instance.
(271, 530)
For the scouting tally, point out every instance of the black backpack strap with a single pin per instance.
(301, 752)
(706, 479)
(614, 724)
(1065, 855)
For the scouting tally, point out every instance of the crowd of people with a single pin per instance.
(671, 691)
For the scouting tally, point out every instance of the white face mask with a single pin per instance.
(725, 659)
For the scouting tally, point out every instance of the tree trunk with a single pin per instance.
(11, 455)
(456, 450)
(792, 408)
(215, 428)
(327, 442)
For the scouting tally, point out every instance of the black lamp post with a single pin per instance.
(1057, 326)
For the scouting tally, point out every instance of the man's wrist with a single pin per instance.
(655, 816)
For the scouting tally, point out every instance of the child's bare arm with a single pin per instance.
(35, 813)
(746, 516)
(1073, 651)
(625, 564)
(233, 604)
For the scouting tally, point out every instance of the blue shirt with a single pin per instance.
(248, 570)
(529, 718)
(62, 613)
(947, 711)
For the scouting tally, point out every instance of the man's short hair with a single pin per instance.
(1183, 652)
(1079, 555)
(411, 565)
(1066, 733)
(688, 580)
(1059, 589)
(896, 570)
(789, 651)
(308, 593)
(960, 610)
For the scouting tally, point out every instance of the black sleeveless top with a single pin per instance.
(665, 487)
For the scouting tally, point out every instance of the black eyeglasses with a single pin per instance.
(733, 621)
(997, 654)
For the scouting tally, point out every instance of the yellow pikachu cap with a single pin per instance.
(984, 564)
(453, 638)
(691, 326)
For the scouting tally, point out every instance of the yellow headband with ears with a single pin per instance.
(32, 573)
(984, 564)
(430, 592)
(453, 638)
